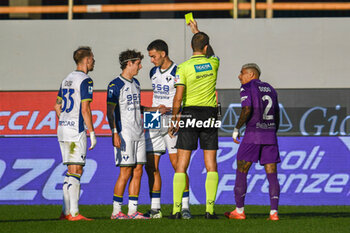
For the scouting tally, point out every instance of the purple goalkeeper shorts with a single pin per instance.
(253, 152)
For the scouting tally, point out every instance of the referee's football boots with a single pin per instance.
(177, 215)
(210, 216)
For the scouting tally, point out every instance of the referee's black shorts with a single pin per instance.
(188, 136)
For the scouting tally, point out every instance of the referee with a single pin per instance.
(196, 89)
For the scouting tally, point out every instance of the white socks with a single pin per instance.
(273, 212)
(240, 210)
(132, 206)
(66, 206)
(155, 203)
(74, 193)
(117, 207)
(185, 203)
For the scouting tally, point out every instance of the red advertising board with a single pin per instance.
(32, 113)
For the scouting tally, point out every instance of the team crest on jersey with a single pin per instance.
(168, 79)
(91, 89)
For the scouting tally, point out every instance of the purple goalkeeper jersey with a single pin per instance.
(262, 125)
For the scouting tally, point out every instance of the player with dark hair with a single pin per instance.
(73, 110)
(159, 46)
(124, 118)
(129, 55)
(196, 89)
(260, 113)
(158, 141)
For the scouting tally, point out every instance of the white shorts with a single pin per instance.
(131, 152)
(158, 141)
(74, 152)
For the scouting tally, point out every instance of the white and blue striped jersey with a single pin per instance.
(75, 88)
(163, 85)
(125, 95)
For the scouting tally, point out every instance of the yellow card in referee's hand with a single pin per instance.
(189, 17)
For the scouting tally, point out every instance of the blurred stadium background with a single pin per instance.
(301, 47)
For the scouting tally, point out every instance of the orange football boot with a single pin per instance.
(78, 218)
(235, 215)
(274, 217)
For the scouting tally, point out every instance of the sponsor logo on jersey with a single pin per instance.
(242, 89)
(126, 157)
(168, 79)
(204, 75)
(203, 67)
(66, 123)
(126, 89)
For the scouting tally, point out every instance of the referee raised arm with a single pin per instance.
(196, 90)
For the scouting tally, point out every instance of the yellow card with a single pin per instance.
(189, 17)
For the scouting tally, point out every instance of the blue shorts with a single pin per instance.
(257, 152)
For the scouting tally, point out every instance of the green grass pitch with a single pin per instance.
(44, 218)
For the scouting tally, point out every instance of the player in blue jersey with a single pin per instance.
(74, 113)
(158, 141)
(124, 117)
(260, 113)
